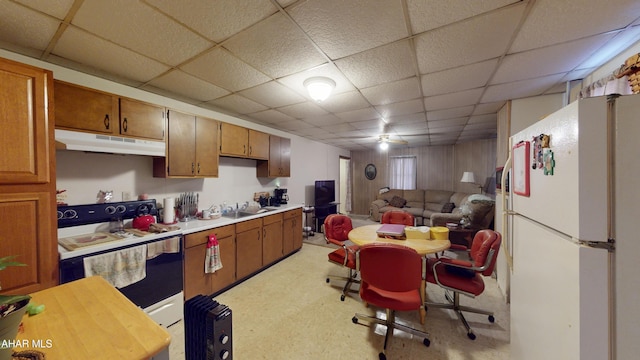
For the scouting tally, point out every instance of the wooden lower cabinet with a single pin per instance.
(248, 247)
(196, 281)
(292, 231)
(245, 248)
(272, 238)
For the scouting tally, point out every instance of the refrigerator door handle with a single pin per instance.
(505, 210)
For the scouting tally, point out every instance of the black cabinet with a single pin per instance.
(322, 211)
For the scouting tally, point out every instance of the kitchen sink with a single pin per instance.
(242, 213)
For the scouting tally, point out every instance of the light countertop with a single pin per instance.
(185, 228)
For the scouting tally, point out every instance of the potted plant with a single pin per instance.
(12, 308)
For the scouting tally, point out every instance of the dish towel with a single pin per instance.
(120, 268)
(167, 246)
(212, 260)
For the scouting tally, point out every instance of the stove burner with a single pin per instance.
(75, 215)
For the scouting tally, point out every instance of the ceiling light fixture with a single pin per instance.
(319, 87)
(384, 145)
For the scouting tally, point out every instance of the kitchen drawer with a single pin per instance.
(248, 225)
(270, 219)
(295, 213)
(191, 240)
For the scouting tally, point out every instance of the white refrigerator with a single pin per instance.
(575, 277)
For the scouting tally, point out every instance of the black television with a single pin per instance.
(325, 192)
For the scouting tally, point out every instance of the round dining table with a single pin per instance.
(363, 235)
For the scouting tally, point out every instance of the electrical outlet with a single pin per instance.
(126, 196)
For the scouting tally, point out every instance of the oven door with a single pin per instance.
(163, 275)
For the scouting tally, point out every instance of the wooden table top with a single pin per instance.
(367, 234)
(90, 319)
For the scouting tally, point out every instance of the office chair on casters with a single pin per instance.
(336, 231)
(465, 277)
(392, 277)
(397, 217)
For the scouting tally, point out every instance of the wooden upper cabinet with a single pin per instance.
(206, 147)
(25, 93)
(258, 145)
(141, 120)
(192, 147)
(81, 108)
(181, 149)
(279, 163)
(234, 140)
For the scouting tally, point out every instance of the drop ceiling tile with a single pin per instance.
(229, 16)
(184, 84)
(272, 94)
(139, 27)
(486, 118)
(407, 119)
(620, 42)
(338, 128)
(275, 46)
(460, 78)
(324, 120)
(570, 20)
(447, 101)
(272, 116)
(57, 8)
(315, 132)
(293, 125)
(397, 91)
(373, 125)
(430, 14)
(296, 81)
(342, 28)
(448, 123)
(380, 65)
(303, 110)
(401, 108)
(225, 70)
(520, 89)
(367, 113)
(26, 28)
(83, 48)
(342, 102)
(412, 129)
(488, 108)
(238, 104)
(481, 125)
(465, 42)
(446, 129)
(450, 113)
(548, 60)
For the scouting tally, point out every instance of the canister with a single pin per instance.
(439, 233)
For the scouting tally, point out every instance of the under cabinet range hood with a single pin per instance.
(80, 141)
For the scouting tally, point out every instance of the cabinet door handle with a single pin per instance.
(106, 121)
(192, 168)
(264, 234)
(198, 168)
(124, 124)
(244, 149)
(250, 150)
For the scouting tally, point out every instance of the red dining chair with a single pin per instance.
(336, 231)
(392, 277)
(397, 217)
(465, 277)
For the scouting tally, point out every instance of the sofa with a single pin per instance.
(436, 207)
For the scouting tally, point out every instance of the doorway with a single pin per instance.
(344, 206)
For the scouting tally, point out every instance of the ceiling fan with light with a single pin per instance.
(384, 140)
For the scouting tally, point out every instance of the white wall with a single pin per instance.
(82, 175)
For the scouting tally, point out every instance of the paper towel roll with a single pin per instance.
(169, 211)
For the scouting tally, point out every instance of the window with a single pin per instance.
(403, 172)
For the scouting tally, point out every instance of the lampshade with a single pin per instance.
(319, 87)
(468, 177)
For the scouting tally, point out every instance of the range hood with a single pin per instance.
(80, 141)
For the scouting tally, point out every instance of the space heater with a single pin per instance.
(207, 334)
